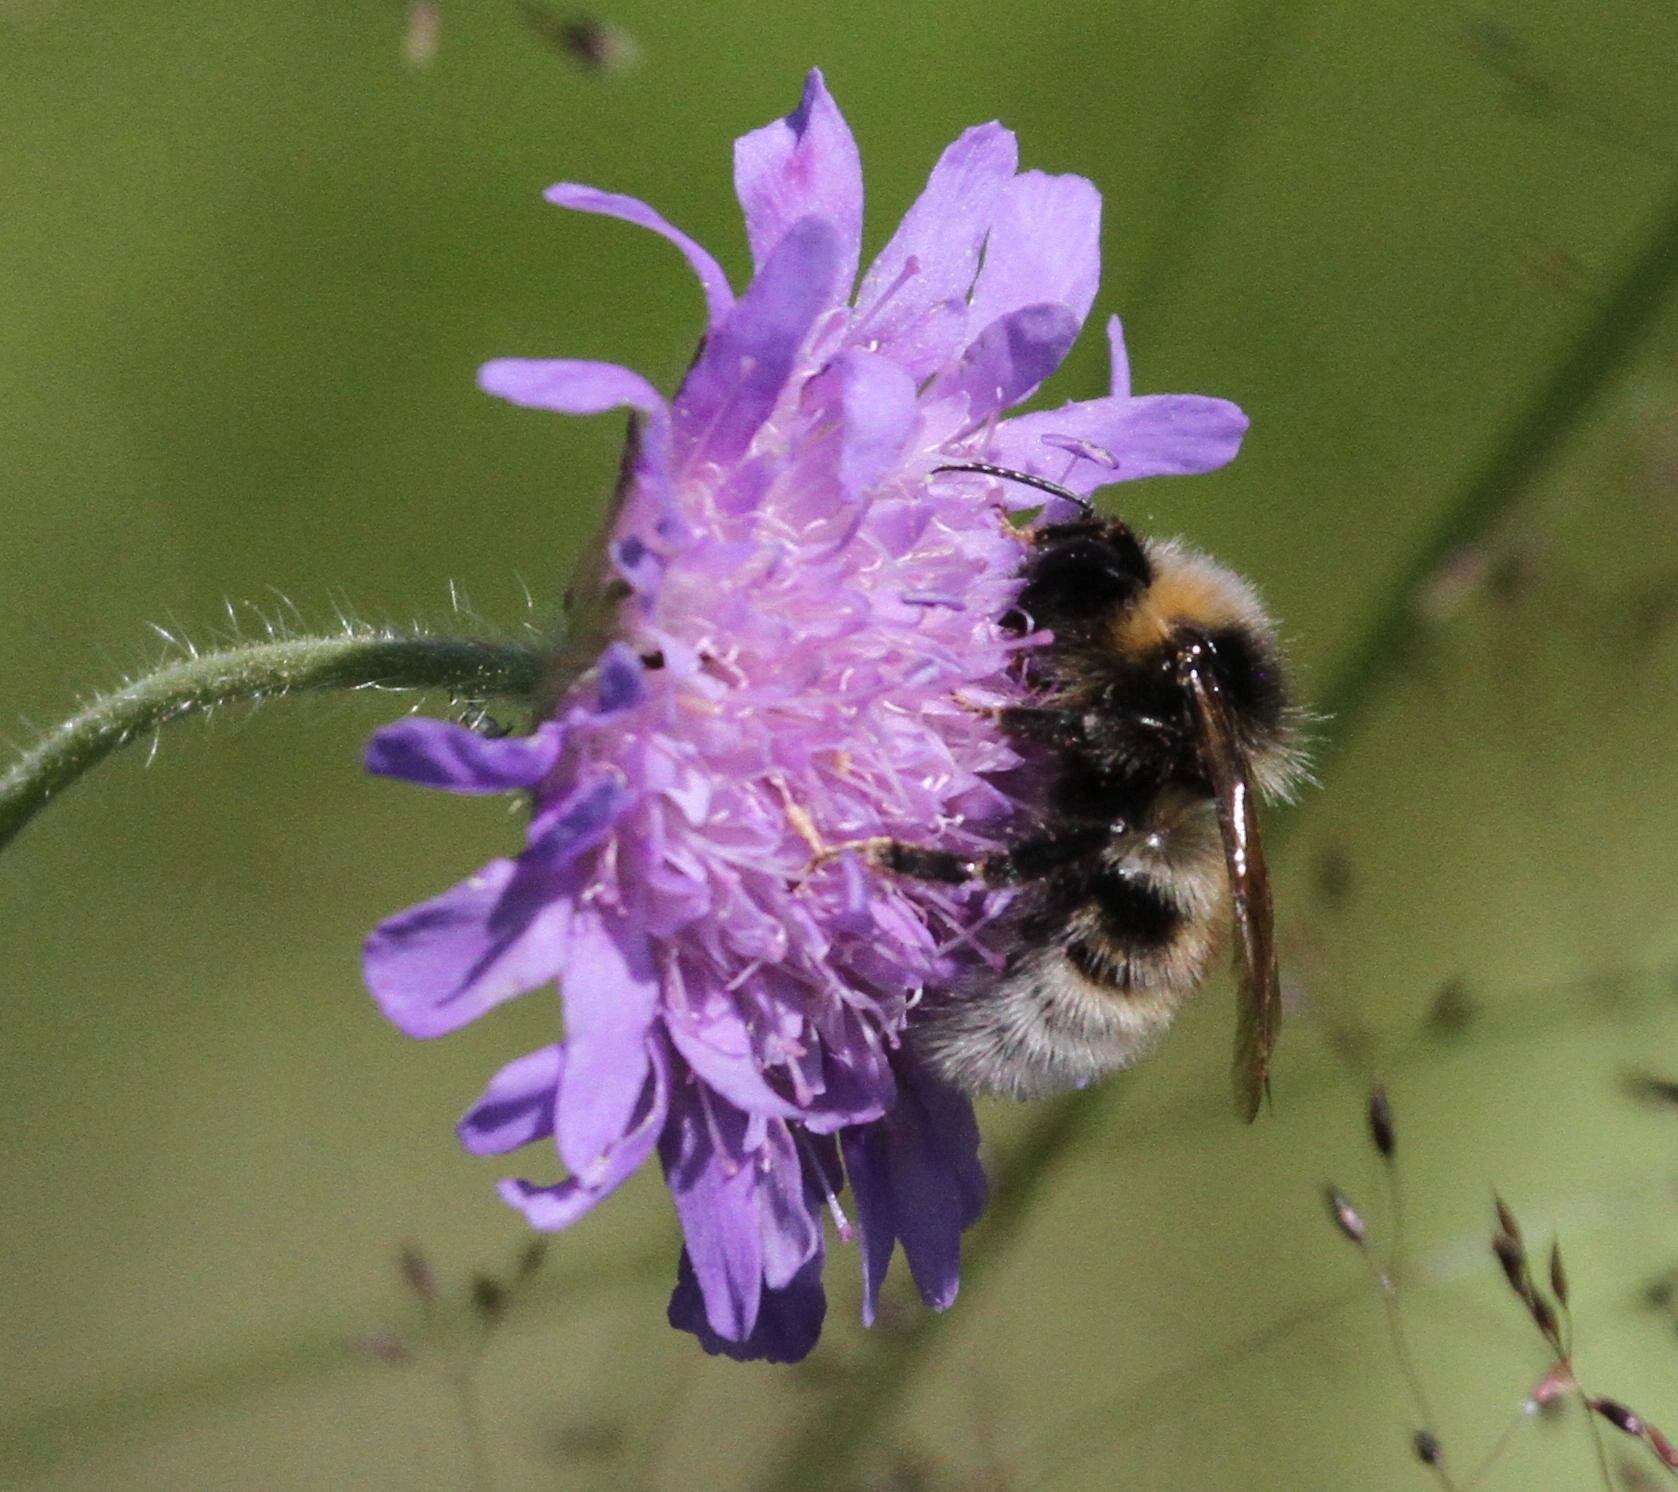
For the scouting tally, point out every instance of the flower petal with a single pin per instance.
(610, 992)
(1118, 360)
(804, 164)
(730, 391)
(856, 1078)
(576, 823)
(517, 1106)
(620, 683)
(916, 1176)
(550, 1208)
(714, 1183)
(440, 965)
(718, 297)
(1006, 362)
(1044, 245)
(713, 1039)
(913, 302)
(553, 1207)
(788, 1324)
(938, 1184)
(875, 405)
(569, 386)
(788, 1211)
(1155, 435)
(868, 1168)
(440, 753)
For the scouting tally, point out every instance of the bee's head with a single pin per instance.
(1083, 575)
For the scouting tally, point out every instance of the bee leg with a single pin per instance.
(1030, 860)
(921, 864)
(1042, 855)
(1045, 727)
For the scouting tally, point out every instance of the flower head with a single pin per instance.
(787, 642)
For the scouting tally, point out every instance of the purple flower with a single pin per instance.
(786, 641)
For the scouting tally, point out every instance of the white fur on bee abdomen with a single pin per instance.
(1044, 1025)
(1043, 1029)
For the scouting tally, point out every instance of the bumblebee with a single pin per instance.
(1158, 712)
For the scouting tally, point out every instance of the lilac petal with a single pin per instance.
(745, 363)
(1154, 435)
(718, 297)
(553, 1207)
(916, 1177)
(1151, 436)
(621, 685)
(938, 1185)
(876, 407)
(550, 1208)
(691, 791)
(1118, 360)
(913, 300)
(857, 1082)
(714, 1184)
(517, 1107)
(1175, 435)
(575, 824)
(868, 1167)
(1044, 245)
(610, 992)
(804, 164)
(788, 1325)
(440, 965)
(787, 1211)
(569, 386)
(713, 1039)
(642, 566)
(1006, 362)
(439, 753)
(853, 915)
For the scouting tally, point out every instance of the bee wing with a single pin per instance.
(1259, 1008)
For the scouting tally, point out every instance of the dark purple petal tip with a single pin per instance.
(439, 753)
(788, 1324)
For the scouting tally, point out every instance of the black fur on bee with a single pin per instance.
(1153, 712)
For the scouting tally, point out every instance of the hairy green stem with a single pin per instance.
(261, 670)
(819, 1456)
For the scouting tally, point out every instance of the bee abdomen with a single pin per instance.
(1134, 932)
(1088, 997)
(1124, 911)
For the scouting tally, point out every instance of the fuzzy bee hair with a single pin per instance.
(1154, 712)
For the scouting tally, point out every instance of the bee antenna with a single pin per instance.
(1025, 478)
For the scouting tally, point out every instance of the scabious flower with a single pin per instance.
(788, 640)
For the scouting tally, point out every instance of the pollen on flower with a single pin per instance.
(788, 643)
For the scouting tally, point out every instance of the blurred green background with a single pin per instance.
(253, 257)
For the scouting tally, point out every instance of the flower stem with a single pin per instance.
(362, 659)
(1626, 315)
